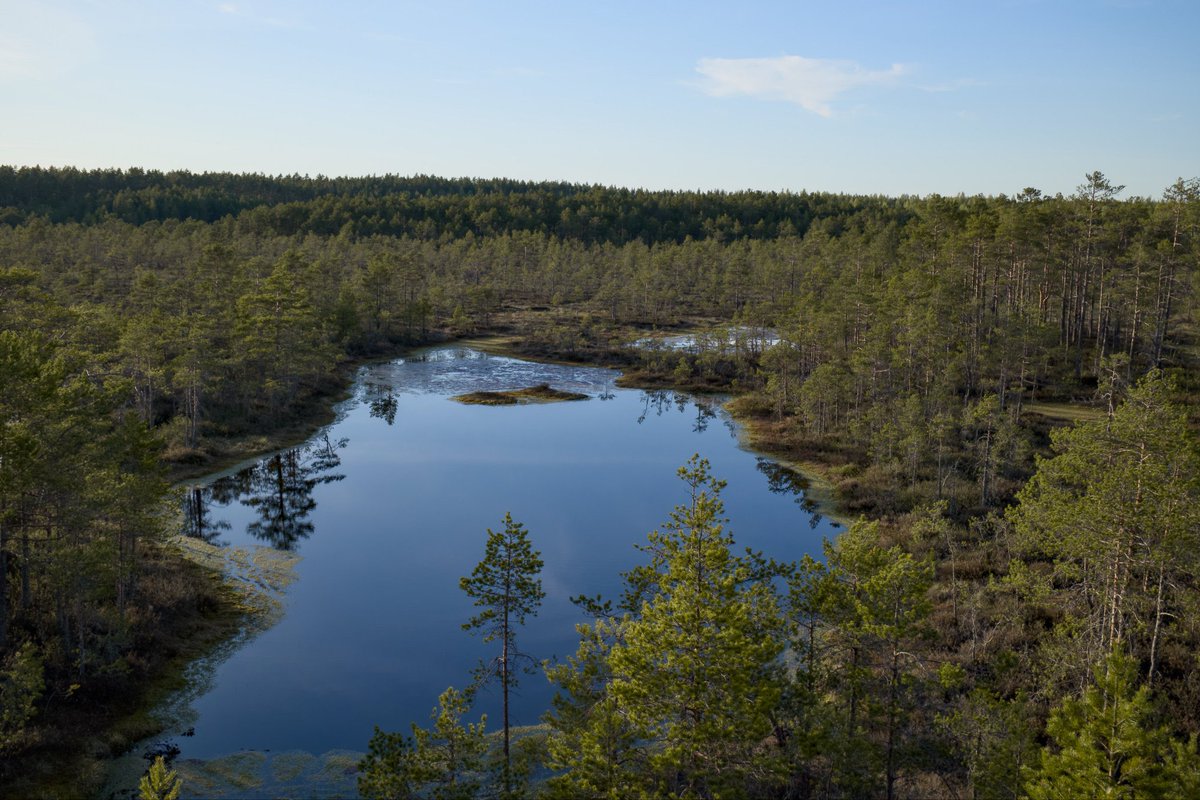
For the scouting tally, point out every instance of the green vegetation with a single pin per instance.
(1004, 388)
(722, 675)
(1105, 744)
(21, 685)
(238, 772)
(159, 783)
(694, 665)
(452, 760)
(506, 587)
(487, 399)
(287, 767)
(446, 762)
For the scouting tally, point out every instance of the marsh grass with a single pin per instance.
(288, 767)
(229, 776)
(542, 393)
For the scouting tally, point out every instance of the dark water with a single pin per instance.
(389, 506)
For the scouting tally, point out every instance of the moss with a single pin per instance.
(542, 393)
(486, 399)
(196, 778)
(337, 764)
(258, 577)
(287, 767)
(239, 771)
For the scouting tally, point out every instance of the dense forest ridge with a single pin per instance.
(421, 206)
(142, 319)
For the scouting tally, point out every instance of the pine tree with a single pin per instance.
(592, 748)
(389, 770)
(696, 669)
(159, 783)
(281, 341)
(451, 754)
(22, 681)
(877, 611)
(1117, 509)
(443, 763)
(505, 585)
(1105, 745)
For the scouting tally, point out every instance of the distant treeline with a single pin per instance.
(422, 206)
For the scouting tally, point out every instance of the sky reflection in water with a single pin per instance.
(389, 507)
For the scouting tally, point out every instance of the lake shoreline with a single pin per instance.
(81, 742)
(760, 432)
(85, 744)
(225, 452)
(322, 410)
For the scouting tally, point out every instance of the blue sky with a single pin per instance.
(861, 97)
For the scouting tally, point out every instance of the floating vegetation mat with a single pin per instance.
(542, 393)
(255, 775)
(295, 774)
(260, 576)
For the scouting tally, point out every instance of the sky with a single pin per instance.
(901, 97)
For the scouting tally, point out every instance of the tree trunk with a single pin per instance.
(504, 678)
(3, 587)
(1158, 618)
(891, 738)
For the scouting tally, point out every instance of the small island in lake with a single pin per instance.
(542, 393)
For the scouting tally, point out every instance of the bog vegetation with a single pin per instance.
(1004, 388)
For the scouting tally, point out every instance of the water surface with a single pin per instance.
(388, 507)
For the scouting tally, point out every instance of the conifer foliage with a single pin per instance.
(445, 762)
(160, 783)
(677, 695)
(506, 588)
(1106, 745)
(696, 667)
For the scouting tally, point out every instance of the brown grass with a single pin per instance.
(184, 612)
(542, 393)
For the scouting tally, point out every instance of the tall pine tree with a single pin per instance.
(696, 668)
(506, 587)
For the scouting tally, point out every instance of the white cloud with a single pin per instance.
(811, 83)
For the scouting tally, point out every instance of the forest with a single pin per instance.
(1002, 391)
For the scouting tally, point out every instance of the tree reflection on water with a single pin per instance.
(280, 490)
(785, 480)
(381, 401)
(197, 522)
(661, 401)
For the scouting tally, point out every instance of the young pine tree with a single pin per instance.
(443, 763)
(159, 783)
(696, 668)
(506, 587)
(592, 747)
(1105, 745)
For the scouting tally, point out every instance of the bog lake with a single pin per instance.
(378, 516)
